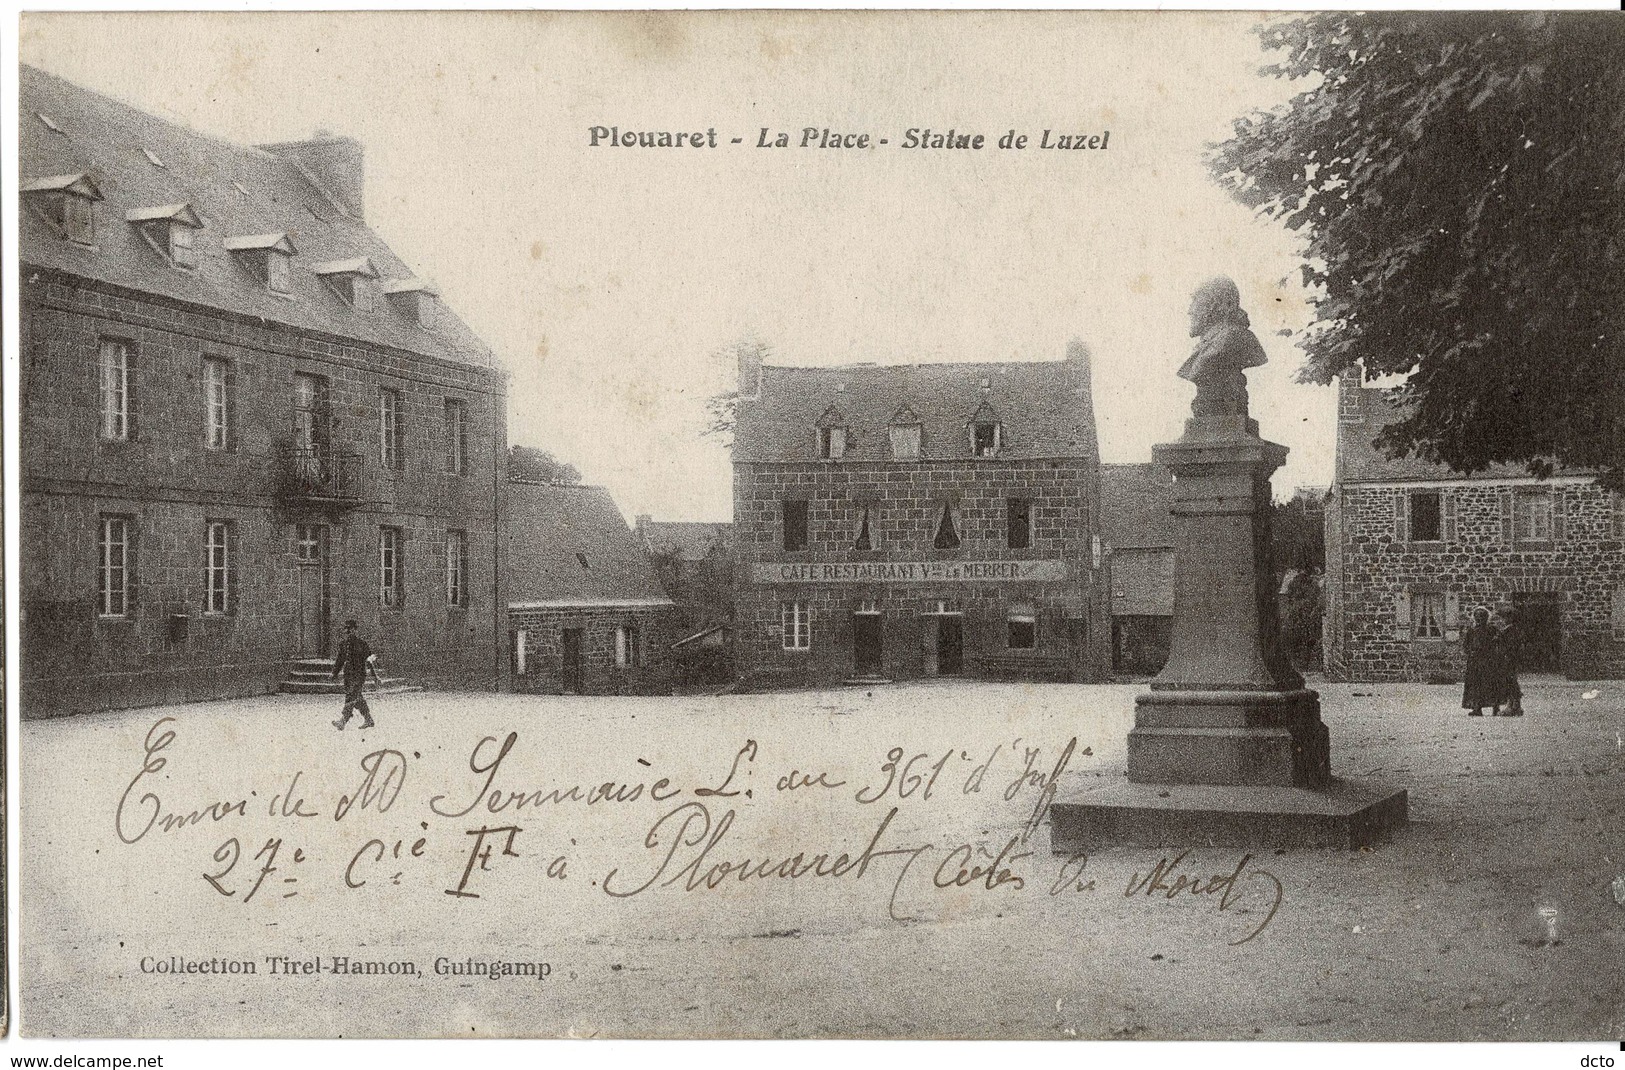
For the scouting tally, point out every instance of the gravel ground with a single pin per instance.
(1495, 915)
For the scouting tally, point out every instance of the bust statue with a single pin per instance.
(1224, 350)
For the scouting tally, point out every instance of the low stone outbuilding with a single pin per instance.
(587, 614)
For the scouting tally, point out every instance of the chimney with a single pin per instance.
(333, 163)
(642, 527)
(750, 369)
(1350, 394)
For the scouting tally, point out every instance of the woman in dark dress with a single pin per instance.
(1479, 689)
(1506, 663)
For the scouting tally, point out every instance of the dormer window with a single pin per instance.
(905, 435)
(412, 298)
(986, 433)
(67, 202)
(269, 257)
(170, 230)
(350, 279)
(831, 435)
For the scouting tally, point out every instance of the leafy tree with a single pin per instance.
(1458, 183)
(534, 465)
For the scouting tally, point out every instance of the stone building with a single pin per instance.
(243, 420)
(587, 614)
(1138, 524)
(918, 520)
(1412, 548)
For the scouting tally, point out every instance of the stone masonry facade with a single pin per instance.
(1486, 553)
(541, 632)
(905, 500)
(169, 486)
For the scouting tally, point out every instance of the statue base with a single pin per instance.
(1342, 814)
(1261, 738)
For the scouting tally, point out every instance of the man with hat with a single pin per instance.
(355, 658)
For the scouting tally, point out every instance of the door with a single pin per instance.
(950, 646)
(572, 661)
(312, 587)
(309, 409)
(866, 644)
(1539, 619)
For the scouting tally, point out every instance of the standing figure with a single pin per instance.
(1507, 653)
(354, 661)
(1479, 689)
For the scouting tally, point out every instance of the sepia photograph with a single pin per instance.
(907, 525)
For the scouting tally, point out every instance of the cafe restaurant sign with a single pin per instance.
(911, 572)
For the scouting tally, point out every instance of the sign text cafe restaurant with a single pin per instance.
(877, 620)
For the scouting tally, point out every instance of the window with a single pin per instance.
(905, 442)
(831, 443)
(456, 568)
(1021, 626)
(1427, 516)
(389, 428)
(79, 219)
(391, 591)
(216, 403)
(277, 274)
(114, 365)
(1018, 523)
(947, 537)
(1532, 515)
(456, 437)
(180, 246)
(217, 567)
(795, 525)
(521, 640)
(1428, 615)
(310, 544)
(113, 566)
(627, 653)
(309, 413)
(985, 439)
(864, 540)
(796, 626)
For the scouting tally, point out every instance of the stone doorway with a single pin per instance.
(866, 643)
(1540, 630)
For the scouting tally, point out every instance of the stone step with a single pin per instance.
(329, 686)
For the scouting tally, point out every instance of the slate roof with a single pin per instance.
(1135, 500)
(239, 191)
(1046, 409)
(549, 525)
(691, 541)
(1362, 416)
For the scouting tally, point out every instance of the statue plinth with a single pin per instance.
(1228, 746)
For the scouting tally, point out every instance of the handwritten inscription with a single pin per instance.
(491, 824)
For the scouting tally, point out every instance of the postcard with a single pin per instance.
(820, 525)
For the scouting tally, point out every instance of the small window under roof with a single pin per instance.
(239, 187)
(49, 123)
(152, 157)
(169, 229)
(67, 202)
(267, 255)
(413, 297)
(348, 279)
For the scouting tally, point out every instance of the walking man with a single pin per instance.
(1479, 688)
(354, 660)
(1506, 649)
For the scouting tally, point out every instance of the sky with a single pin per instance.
(612, 281)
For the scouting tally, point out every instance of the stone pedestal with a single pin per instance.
(1228, 746)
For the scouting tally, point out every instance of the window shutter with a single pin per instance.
(1402, 516)
(1619, 612)
(1506, 517)
(1448, 505)
(1452, 615)
(1559, 525)
(1402, 615)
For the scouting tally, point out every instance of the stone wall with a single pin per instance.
(544, 649)
(1073, 632)
(1374, 567)
(169, 485)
